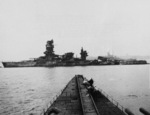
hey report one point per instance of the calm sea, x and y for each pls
(28, 90)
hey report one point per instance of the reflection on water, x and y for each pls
(28, 90)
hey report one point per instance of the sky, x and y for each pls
(121, 27)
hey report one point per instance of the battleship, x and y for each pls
(50, 59)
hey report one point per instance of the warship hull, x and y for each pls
(19, 64)
(55, 64)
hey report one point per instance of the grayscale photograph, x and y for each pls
(74, 57)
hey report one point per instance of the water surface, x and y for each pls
(29, 90)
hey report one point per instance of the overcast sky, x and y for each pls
(99, 26)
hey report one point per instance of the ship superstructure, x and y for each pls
(51, 59)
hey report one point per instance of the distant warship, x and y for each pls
(50, 59)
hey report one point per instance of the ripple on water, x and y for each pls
(28, 90)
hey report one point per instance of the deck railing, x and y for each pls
(113, 101)
(104, 93)
(52, 101)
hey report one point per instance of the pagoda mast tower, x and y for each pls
(49, 53)
(83, 54)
